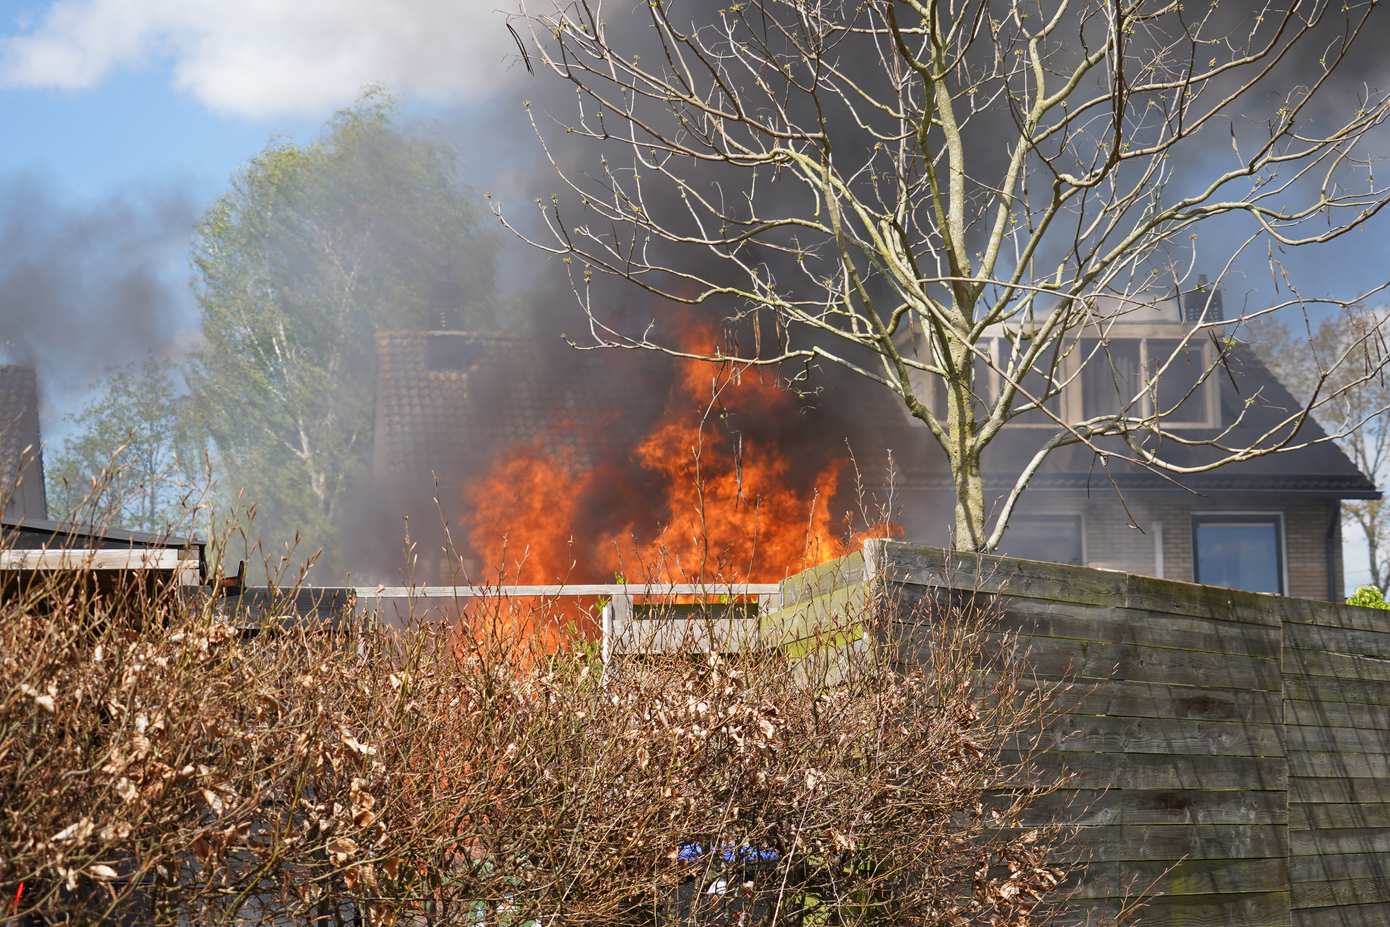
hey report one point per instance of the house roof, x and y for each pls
(447, 401)
(21, 461)
(1245, 385)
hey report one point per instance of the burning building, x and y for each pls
(552, 465)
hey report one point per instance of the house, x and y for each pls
(446, 402)
(21, 457)
(1269, 524)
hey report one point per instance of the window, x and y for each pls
(1035, 382)
(1177, 393)
(1239, 551)
(1054, 538)
(1117, 369)
(1110, 377)
(1111, 381)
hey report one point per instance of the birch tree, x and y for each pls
(313, 249)
(959, 200)
(1298, 354)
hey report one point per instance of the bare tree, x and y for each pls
(1298, 355)
(959, 201)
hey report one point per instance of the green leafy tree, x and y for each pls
(135, 457)
(313, 249)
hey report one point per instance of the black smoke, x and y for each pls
(87, 287)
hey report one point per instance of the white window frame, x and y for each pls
(1247, 516)
(1071, 406)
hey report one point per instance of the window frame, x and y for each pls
(1071, 400)
(1245, 517)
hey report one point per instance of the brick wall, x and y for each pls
(1151, 534)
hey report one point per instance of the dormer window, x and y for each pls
(1111, 381)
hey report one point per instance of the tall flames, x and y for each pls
(715, 505)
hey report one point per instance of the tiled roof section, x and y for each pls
(1322, 467)
(21, 463)
(450, 399)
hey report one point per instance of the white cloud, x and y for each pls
(262, 57)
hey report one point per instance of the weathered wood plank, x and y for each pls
(1325, 689)
(1333, 867)
(1364, 915)
(1338, 790)
(1117, 807)
(1269, 909)
(1184, 841)
(1166, 771)
(1128, 699)
(1099, 734)
(1085, 662)
(1338, 739)
(1336, 665)
(1330, 816)
(1326, 894)
(1329, 764)
(1337, 714)
(1187, 877)
(1348, 840)
(1141, 627)
(1316, 638)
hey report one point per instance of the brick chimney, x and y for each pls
(21, 457)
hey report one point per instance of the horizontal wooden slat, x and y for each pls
(1117, 807)
(1315, 638)
(1337, 714)
(1347, 840)
(1185, 877)
(1328, 816)
(1364, 915)
(1321, 764)
(1167, 771)
(1128, 699)
(1337, 790)
(1325, 689)
(1330, 867)
(1185, 841)
(1099, 734)
(1268, 909)
(1340, 739)
(155, 558)
(1336, 665)
(1068, 621)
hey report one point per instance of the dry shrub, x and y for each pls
(161, 763)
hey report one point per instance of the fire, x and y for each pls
(727, 508)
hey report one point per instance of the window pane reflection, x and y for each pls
(1239, 553)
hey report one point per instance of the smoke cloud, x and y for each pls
(87, 288)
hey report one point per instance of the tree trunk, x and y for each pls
(963, 450)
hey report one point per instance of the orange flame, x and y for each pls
(732, 511)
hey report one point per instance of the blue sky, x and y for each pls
(133, 130)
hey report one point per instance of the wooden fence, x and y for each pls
(1231, 748)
